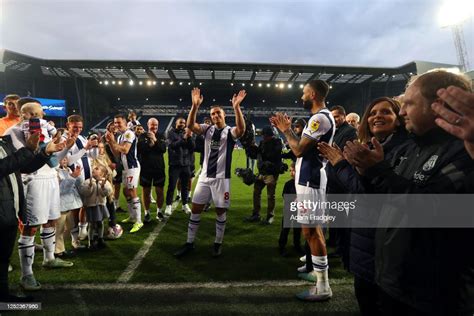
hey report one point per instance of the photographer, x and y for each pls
(268, 155)
(151, 147)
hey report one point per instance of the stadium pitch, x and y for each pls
(138, 274)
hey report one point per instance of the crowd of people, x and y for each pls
(422, 141)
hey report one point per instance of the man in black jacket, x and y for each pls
(13, 204)
(339, 237)
(268, 163)
(151, 147)
(180, 152)
(421, 270)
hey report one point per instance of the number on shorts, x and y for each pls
(226, 196)
(130, 179)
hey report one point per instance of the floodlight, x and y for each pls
(454, 12)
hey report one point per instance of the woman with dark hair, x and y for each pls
(381, 120)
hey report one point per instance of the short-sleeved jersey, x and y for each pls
(129, 160)
(218, 147)
(78, 156)
(310, 168)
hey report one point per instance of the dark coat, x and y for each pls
(427, 268)
(180, 150)
(23, 160)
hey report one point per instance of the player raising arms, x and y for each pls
(214, 180)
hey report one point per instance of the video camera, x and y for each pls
(246, 174)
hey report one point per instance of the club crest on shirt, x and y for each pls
(128, 135)
(314, 126)
(430, 163)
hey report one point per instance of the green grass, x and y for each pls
(249, 254)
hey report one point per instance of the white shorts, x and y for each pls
(305, 193)
(42, 200)
(211, 188)
(130, 178)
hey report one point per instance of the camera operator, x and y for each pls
(151, 147)
(269, 164)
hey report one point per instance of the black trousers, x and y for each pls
(175, 173)
(393, 307)
(367, 294)
(112, 213)
(7, 242)
(283, 240)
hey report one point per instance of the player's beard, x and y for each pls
(307, 104)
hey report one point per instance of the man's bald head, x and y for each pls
(152, 125)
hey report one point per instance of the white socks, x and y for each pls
(26, 251)
(48, 240)
(193, 226)
(220, 227)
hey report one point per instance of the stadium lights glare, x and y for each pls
(232, 84)
(263, 101)
(140, 83)
(189, 83)
(154, 83)
(301, 86)
(180, 83)
(146, 99)
(330, 87)
(120, 82)
(276, 85)
(268, 85)
(259, 84)
(113, 82)
(118, 99)
(454, 12)
(251, 84)
(290, 86)
(162, 83)
(131, 82)
(281, 86)
(106, 82)
(100, 82)
(171, 83)
(148, 83)
(200, 83)
(243, 84)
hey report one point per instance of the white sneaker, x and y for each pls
(186, 209)
(315, 295)
(168, 210)
(303, 258)
(302, 269)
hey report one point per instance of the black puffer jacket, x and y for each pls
(362, 240)
(15, 161)
(180, 150)
(427, 268)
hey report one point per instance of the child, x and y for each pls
(32, 121)
(115, 230)
(95, 191)
(69, 183)
(289, 188)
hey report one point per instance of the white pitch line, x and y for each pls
(188, 285)
(137, 260)
(133, 265)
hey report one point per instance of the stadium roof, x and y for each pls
(180, 72)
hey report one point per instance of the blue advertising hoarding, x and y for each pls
(51, 107)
